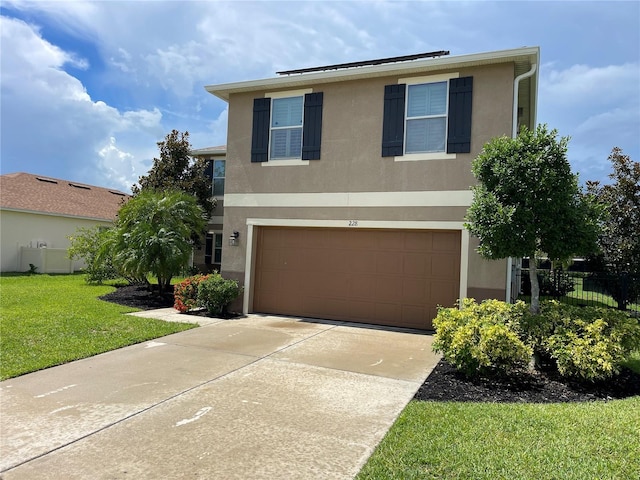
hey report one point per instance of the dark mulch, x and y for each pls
(445, 383)
(140, 296)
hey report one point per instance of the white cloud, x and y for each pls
(594, 86)
(50, 123)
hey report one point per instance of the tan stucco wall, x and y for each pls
(24, 229)
(351, 158)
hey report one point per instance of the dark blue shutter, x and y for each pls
(312, 130)
(393, 120)
(260, 135)
(459, 128)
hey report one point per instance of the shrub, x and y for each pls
(185, 293)
(215, 293)
(92, 246)
(588, 343)
(480, 338)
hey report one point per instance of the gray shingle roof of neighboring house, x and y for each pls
(219, 149)
(40, 194)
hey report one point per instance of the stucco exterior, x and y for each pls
(352, 185)
(19, 230)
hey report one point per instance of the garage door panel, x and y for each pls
(386, 311)
(388, 288)
(416, 264)
(362, 287)
(442, 292)
(418, 241)
(387, 277)
(361, 311)
(446, 242)
(390, 263)
(441, 265)
(415, 315)
(415, 290)
(390, 240)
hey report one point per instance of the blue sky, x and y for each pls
(88, 88)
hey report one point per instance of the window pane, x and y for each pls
(427, 99)
(218, 186)
(217, 257)
(218, 168)
(286, 143)
(218, 240)
(425, 135)
(286, 112)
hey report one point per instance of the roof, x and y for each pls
(218, 150)
(524, 58)
(26, 192)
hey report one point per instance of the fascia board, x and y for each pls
(223, 90)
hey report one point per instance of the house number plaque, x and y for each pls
(353, 223)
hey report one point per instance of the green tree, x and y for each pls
(528, 202)
(153, 235)
(86, 244)
(620, 238)
(176, 169)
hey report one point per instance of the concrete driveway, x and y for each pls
(260, 397)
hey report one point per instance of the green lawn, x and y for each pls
(450, 440)
(47, 320)
(580, 296)
(455, 440)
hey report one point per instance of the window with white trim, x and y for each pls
(213, 248)
(217, 180)
(286, 128)
(426, 118)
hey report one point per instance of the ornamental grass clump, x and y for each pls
(482, 338)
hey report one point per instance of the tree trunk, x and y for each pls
(535, 287)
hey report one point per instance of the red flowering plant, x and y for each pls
(185, 293)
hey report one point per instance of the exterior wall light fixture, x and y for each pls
(233, 239)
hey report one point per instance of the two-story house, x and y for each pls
(347, 185)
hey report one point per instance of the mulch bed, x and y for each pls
(139, 296)
(445, 383)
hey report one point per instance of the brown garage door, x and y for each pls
(385, 277)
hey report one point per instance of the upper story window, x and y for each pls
(425, 119)
(287, 127)
(426, 128)
(216, 172)
(217, 182)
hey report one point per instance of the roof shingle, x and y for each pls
(40, 194)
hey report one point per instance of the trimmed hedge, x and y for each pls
(481, 338)
(586, 343)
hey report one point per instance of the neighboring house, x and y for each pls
(209, 256)
(38, 213)
(347, 185)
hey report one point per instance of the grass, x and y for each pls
(588, 297)
(451, 440)
(455, 440)
(48, 320)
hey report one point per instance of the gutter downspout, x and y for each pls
(514, 134)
